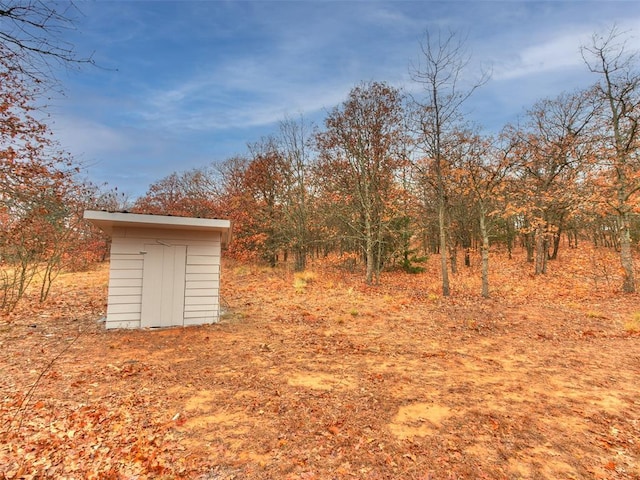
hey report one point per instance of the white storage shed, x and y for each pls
(165, 270)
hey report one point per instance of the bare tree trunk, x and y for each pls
(300, 259)
(369, 251)
(542, 252)
(626, 258)
(510, 238)
(556, 243)
(453, 258)
(379, 250)
(529, 241)
(446, 291)
(485, 255)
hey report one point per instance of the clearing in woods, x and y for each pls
(322, 377)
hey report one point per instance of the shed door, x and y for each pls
(163, 282)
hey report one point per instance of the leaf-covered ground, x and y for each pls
(325, 378)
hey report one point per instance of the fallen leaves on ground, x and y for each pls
(332, 379)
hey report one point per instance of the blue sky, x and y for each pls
(181, 84)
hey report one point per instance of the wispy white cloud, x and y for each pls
(553, 54)
(386, 16)
(257, 88)
(557, 51)
(208, 103)
(90, 139)
(308, 62)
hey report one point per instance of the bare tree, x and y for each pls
(439, 114)
(294, 141)
(32, 37)
(619, 92)
(482, 167)
(552, 160)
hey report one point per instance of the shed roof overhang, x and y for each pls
(107, 221)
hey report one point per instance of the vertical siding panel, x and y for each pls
(179, 267)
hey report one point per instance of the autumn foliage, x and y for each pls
(365, 187)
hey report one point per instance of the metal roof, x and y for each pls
(106, 221)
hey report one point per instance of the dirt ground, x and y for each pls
(325, 378)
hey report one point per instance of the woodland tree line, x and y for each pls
(386, 181)
(391, 178)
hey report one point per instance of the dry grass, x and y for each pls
(302, 279)
(633, 325)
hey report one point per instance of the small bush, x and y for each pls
(307, 276)
(302, 279)
(408, 264)
(633, 325)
